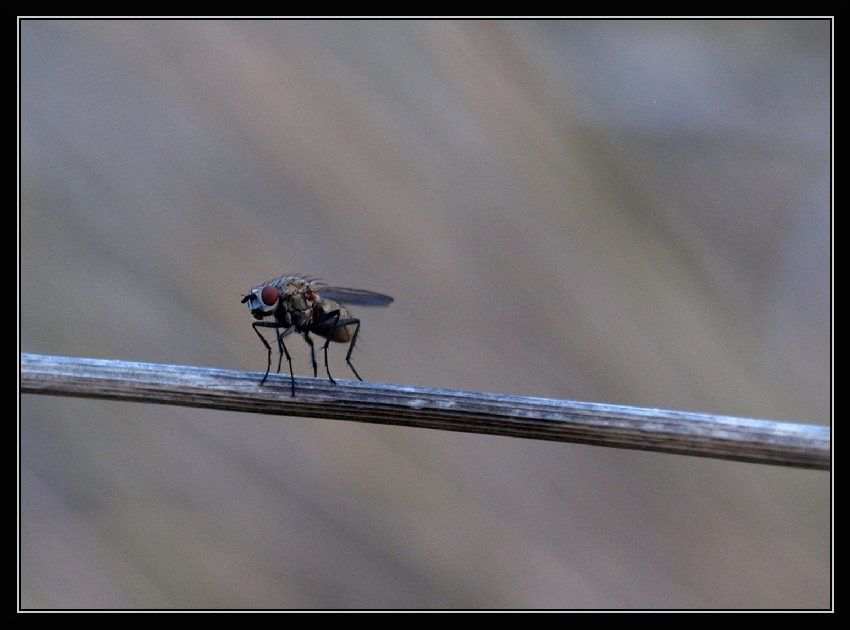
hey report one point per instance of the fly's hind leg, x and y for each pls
(325, 348)
(351, 346)
(328, 325)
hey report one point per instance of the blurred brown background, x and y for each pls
(628, 212)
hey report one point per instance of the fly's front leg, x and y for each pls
(268, 347)
(281, 348)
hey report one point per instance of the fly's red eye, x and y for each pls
(269, 295)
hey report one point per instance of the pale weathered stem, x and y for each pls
(704, 435)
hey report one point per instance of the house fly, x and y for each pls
(298, 304)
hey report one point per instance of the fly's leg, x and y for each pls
(268, 347)
(325, 348)
(281, 348)
(351, 346)
(309, 340)
(321, 324)
(328, 324)
(281, 352)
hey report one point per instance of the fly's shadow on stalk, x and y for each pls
(298, 304)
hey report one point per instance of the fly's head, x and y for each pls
(262, 301)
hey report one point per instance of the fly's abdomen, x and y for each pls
(329, 327)
(343, 334)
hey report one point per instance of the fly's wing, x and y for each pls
(354, 296)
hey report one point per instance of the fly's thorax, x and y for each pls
(300, 293)
(298, 301)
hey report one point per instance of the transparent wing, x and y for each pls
(354, 296)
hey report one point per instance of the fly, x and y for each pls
(298, 304)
